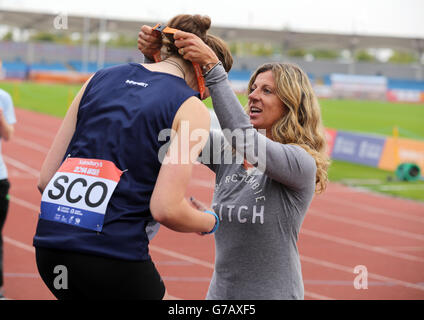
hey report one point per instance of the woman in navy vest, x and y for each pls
(118, 166)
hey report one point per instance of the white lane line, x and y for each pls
(404, 248)
(376, 276)
(20, 165)
(202, 183)
(186, 279)
(18, 244)
(36, 131)
(316, 296)
(21, 275)
(370, 209)
(360, 245)
(364, 224)
(173, 263)
(25, 204)
(181, 256)
(30, 145)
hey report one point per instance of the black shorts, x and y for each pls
(72, 275)
(4, 205)
(4, 201)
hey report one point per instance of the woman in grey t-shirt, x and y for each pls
(262, 199)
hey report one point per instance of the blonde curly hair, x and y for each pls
(301, 123)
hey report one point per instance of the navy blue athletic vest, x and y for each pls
(122, 112)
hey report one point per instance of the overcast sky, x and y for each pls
(377, 17)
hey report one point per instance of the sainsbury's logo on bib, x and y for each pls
(79, 192)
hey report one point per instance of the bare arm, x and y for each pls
(6, 129)
(168, 204)
(61, 141)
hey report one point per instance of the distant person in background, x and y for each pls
(262, 209)
(7, 119)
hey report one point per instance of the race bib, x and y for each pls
(79, 192)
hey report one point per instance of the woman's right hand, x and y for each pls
(192, 48)
(149, 41)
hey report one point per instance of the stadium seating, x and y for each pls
(402, 83)
(91, 67)
(45, 66)
(405, 84)
(15, 69)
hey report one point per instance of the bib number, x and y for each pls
(79, 192)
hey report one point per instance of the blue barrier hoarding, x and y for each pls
(358, 148)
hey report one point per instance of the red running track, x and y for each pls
(344, 228)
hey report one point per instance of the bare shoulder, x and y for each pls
(194, 111)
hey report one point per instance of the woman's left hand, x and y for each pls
(192, 48)
(199, 206)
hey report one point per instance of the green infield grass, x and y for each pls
(52, 99)
(375, 179)
(378, 117)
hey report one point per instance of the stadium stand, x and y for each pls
(21, 62)
(47, 66)
(48, 61)
(404, 84)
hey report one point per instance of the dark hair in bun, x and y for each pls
(196, 24)
(199, 25)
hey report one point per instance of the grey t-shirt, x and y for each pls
(260, 210)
